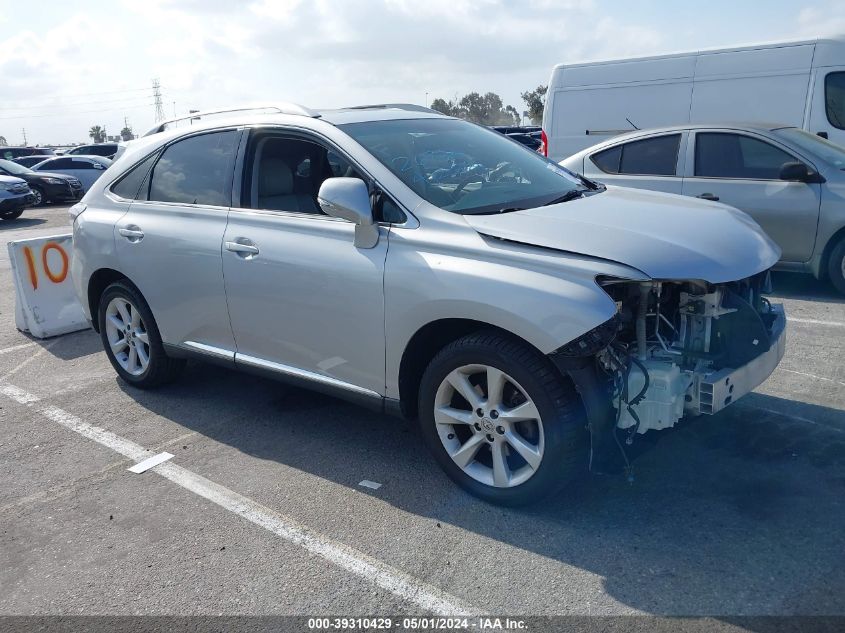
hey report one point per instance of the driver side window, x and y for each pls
(284, 173)
(726, 155)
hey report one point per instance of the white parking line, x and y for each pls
(801, 373)
(790, 319)
(15, 348)
(399, 583)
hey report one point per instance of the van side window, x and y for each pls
(725, 155)
(834, 99)
(656, 156)
(196, 170)
(130, 184)
(285, 173)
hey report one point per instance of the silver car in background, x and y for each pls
(87, 169)
(532, 320)
(790, 181)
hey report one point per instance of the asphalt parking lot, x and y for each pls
(261, 511)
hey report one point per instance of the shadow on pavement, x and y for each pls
(739, 513)
(21, 223)
(806, 287)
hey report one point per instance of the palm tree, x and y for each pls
(97, 133)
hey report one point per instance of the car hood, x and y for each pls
(11, 180)
(663, 235)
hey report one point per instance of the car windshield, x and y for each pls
(463, 167)
(830, 153)
(13, 168)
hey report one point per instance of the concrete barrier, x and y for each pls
(45, 303)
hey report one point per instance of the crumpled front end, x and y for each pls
(676, 349)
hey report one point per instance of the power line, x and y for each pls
(70, 114)
(81, 103)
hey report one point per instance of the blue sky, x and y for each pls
(82, 63)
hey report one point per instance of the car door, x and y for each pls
(169, 241)
(85, 169)
(653, 162)
(743, 170)
(303, 299)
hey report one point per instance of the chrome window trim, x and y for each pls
(211, 350)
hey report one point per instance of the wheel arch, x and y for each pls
(98, 282)
(838, 236)
(424, 344)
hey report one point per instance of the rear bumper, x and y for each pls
(718, 389)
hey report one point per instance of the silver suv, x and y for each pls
(533, 321)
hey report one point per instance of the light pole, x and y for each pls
(426, 99)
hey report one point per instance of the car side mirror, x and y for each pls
(349, 199)
(795, 171)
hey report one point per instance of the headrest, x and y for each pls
(275, 178)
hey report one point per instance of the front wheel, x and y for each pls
(11, 215)
(500, 420)
(131, 339)
(836, 266)
(39, 197)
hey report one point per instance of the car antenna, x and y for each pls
(632, 123)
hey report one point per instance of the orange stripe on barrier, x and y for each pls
(30, 263)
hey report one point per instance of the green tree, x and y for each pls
(97, 133)
(449, 108)
(536, 101)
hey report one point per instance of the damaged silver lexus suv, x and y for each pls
(533, 321)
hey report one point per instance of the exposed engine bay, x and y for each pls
(679, 347)
(673, 349)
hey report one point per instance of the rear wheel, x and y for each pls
(11, 215)
(131, 338)
(500, 421)
(836, 266)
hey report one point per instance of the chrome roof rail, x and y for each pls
(279, 108)
(410, 107)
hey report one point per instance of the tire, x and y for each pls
(39, 197)
(557, 437)
(11, 215)
(836, 266)
(122, 303)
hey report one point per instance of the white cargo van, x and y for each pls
(793, 83)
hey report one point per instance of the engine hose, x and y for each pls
(639, 397)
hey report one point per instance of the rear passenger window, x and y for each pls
(59, 163)
(196, 170)
(657, 156)
(129, 186)
(725, 155)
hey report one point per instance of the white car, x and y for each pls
(85, 168)
(790, 181)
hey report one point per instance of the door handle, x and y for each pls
(709, 196)
(132, 233)
(247, 251)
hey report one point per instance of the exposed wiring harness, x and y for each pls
(623, 360)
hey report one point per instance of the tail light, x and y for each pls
(544, 144)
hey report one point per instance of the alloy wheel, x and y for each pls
(489, 426)
(127, 336)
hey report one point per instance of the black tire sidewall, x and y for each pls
(557, 430)
(11, 215)
(157, 354)
(834, 266)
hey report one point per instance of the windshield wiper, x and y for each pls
(569, 195)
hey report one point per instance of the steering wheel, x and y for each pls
(501, 169)
(472, 176)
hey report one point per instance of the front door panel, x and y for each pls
(308, 298)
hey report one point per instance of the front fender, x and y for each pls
(547, 306)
